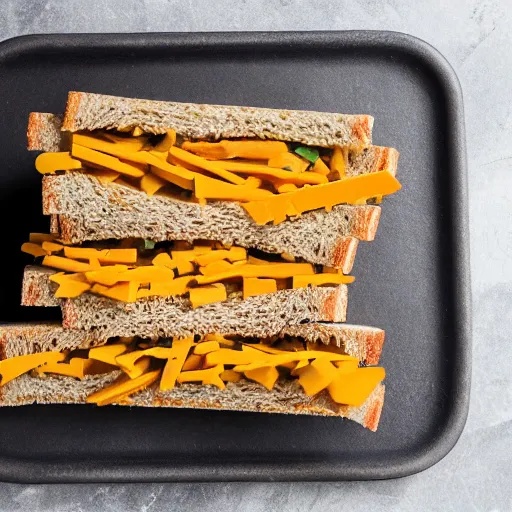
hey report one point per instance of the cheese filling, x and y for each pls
(272, 180)
(206, 272)
(209, 360)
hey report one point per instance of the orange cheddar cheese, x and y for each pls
(289, 161)
(123, 387)
(110, 162)
(104, 175)
(184, 267)
(254, 286)
(48, 163)
(266, 376)
(66, 264)
(33, 249)
(317, 375)
(193, 362)
(354, 387)
(113, 145)
(212, 167)
(230, 376)
(283, 187)
(233, 254)
(107, 353)
(223, 356)
(210, 188)
(70, 285)
(15, 366)
(273, 271)
(209, 376)
(77, 367)
(163, 260)
(178, 286)
(275, 173)
(151, 184)
(128, 362)
(338, 163)
(216, 267)
(256, 150)
(126, 292)
(205, 347)
(320, 167)
(321, 279)
(174, 366)
(190, 254)
(207, 294)
(167, 142)
(350, 190)
(51, 247)
(126, 256)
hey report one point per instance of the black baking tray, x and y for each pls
(413, 280)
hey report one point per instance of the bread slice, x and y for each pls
(287, 397)
(88, 111)
(261, 315)
(89, 210)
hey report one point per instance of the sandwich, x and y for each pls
(305, 370)
(200, 256)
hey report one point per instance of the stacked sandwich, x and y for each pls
(200, 256)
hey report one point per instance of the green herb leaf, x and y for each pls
(307, 153)
(149, 244)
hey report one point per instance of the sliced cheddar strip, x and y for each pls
(257, 150)
(163, 260)
(230, 376)
(179, 286)
(193, 362)
(33, 249)
(75, 368)
(110, 162)
(174, 366)
(266, 376)
(207, 294)
(125, 144)
(253, 286)
(210, 188)
(353, 388)
(321, 279)
(72, 288)
(210, 376)
(66, 264)
(108, 353)
(151, 184)
(289, 161)
(225, 356)
(104, 175)
(127, 256)
(338, 163)
(216, 267)
(317, 376)
(320, 167)
(48, 163)
(205, 347)
(282, 187)
(167, 142)
(351, 190)
(272, 270)
(233, 254)
(265, 171)
(123, 387)
(16, 366)
(126, 292)
(50, 247)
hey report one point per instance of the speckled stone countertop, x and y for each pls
(475, 36)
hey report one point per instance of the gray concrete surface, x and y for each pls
(476, 38)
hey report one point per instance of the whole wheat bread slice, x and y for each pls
(287, 397)
(261, 316)
(89, 210)
(88, 111)
(359, 341)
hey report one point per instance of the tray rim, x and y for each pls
(15, 470)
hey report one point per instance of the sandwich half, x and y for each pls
(301, 183)
(313, 370)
